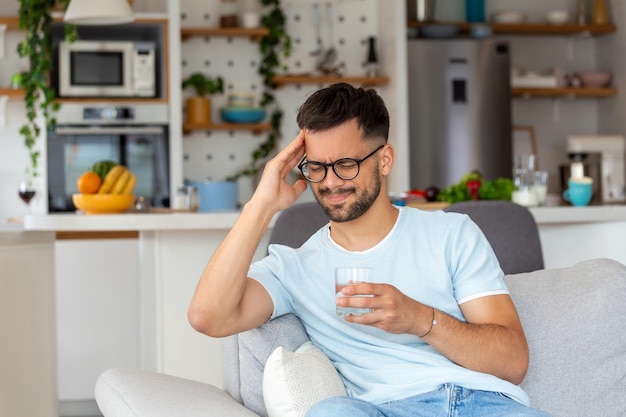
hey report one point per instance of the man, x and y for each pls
(442, 333)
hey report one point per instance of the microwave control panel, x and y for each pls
(144, 69)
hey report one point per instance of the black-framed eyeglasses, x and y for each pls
(344, 168)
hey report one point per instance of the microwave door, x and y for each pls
(95, 69)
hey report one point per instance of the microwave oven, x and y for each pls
(106, 69)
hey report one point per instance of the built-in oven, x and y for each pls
(136, 136)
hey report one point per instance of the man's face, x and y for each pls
(344, 200)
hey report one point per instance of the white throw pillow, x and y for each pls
(294, 381)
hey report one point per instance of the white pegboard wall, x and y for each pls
(354, 21)
(217, 154)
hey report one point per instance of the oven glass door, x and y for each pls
(143, 150)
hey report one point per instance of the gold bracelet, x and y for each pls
(433, 323)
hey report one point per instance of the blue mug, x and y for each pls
(216, 196)
(579, 191)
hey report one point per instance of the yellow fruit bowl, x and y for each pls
(103, 203)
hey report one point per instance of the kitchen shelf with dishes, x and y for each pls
(282, 80)
(531, 29)
(253, 33)
(256, 128)
(564, 92)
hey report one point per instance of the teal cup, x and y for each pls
(579, 191)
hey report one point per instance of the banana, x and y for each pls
(111, 178)
(120, 184)
(128, 189)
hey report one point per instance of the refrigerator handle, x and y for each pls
(459, 91)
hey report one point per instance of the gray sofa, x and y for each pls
(574, 321)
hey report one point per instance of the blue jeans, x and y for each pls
(448, 401)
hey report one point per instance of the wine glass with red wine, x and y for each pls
(26, 191)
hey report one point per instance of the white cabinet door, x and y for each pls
(97, 311)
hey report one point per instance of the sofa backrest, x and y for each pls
(574, 322)
(510, 229)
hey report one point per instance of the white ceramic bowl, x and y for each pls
(240, 99)
(557, 17)
(595, 78)
(509, 16)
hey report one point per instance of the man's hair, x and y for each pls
(340, 103)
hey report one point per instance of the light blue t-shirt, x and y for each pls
(440, 259)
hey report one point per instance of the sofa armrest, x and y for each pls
(139, 393)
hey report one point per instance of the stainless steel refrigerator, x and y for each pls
(459, 110)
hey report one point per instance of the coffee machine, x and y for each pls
(602, 158)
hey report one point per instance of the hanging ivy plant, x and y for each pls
(35, 18)
(273, 46)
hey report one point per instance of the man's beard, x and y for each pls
(365, 200)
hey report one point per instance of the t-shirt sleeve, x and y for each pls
(475, 269)
(267, 272)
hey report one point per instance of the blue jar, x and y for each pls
(475, 10)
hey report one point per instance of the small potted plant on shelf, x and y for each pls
(199, 106)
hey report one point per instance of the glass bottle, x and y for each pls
(581, 13)
(372, 59)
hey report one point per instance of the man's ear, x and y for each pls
(386, 160)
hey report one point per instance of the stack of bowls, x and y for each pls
(241, 109)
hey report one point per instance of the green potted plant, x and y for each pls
(199, 106)
(35, 18)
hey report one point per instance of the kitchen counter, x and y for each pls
(224, 221)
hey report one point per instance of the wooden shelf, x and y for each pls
(568, 92)
(282, 80)
(12, 93)
(112, 100)
(256, 128)
(254, 34)
(535, 29)
(12, 22)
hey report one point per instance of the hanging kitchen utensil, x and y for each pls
(317, 14)
(331, 53)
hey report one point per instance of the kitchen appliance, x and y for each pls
(421, 10)
(601, 158)
(107, 69)
(133, 135)
(459, 110)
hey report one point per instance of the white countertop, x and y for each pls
(224, 221)
(141, 222)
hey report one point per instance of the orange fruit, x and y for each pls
(89, 183)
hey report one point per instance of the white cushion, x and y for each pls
(294, 381)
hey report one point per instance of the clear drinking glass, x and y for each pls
(540, 186)
(345, 276)
(524, 179)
